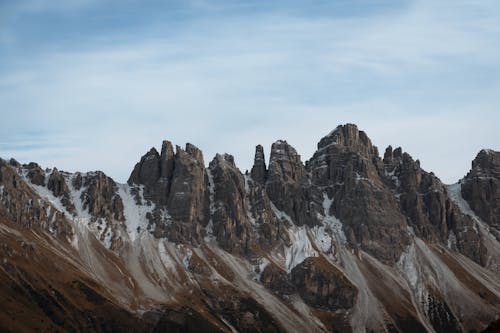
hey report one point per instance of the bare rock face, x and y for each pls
(347, 168)
(323, 286)
(20, 204)
(481, 187)
(188, 196)
(100, 196)
(57, 185)
(147, 171)
(424, 200)
(287, 185)
(177, 184)
(259, 171)
(35, 174)
(230, 220)
(270, 229)
(155, 172)
(277, 280)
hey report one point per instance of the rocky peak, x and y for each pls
(285, 164)
(188, 198)
(423, 199)
(100, 197)
(486, 163)
(481, 187)
(195, 153)
(166, 160)
(287, 185)
(388, 155)
(147, 171)
(230, 220)
(35, 173)
(259, 170)
(348, 137)
(224, 161)
(57, 185)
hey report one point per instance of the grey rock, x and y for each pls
(259, 170)
(481, 187)
(231, 225)
(323, 286)
(347, 168)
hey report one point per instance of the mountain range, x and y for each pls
(349, 241)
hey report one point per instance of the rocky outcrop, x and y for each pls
(35, 174)
(424, 200)
(188, 196)
(155, 171)
(481, 187)
(21, 205)
(259, 171)
(347, 168)
(270, 230)
(288, 187)
(323, 286)
(277, 280)
(99, 196)
(177, 185)
(231, 225)
(57, 185)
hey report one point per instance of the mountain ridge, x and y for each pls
(288, 246)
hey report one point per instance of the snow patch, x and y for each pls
(247, 199)
(322, 238)
(108, 239)
(262, 266)
(47, 195)
(332, 222)
(455, 194)
(135, 215)
(300, 249)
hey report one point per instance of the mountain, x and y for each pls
(348, 241)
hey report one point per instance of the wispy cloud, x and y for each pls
(420, 75)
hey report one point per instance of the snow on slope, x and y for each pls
(135, 215)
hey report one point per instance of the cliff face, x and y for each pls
(347, 241)
(481, 188)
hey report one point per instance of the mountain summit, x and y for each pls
(348, 241)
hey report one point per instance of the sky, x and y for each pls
(93, 85)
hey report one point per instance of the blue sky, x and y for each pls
(89, 84)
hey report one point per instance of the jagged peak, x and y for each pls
(285, 162)
(192, 151)
(350, 137)
(223, 159)
(487, 160)
(152, 152)
(259, 169)
(166, 147)
(282, 149)
(391, 155)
